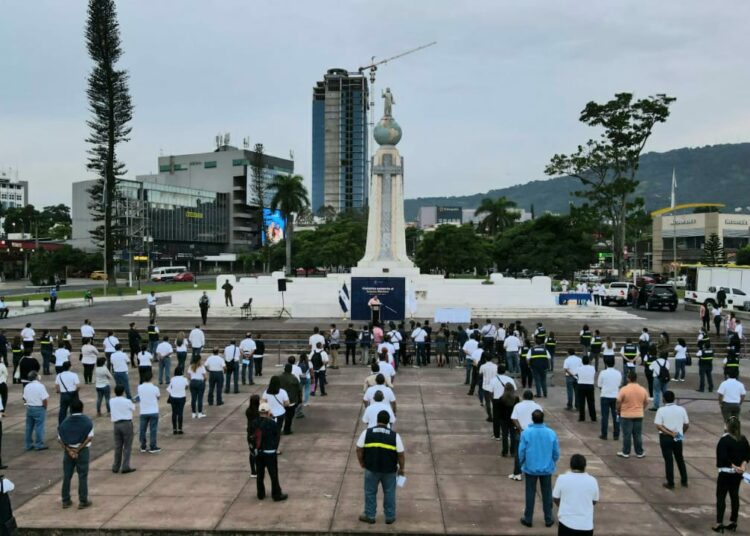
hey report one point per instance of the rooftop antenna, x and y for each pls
(218, 141)
(226, 138)
(246, 142)
(291, 155)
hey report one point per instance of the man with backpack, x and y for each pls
(319, 360)
(660, 372)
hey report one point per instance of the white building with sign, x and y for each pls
(691, 232)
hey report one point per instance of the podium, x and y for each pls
(375, 314)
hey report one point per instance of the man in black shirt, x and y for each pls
(350, 340)
(134, 341)
(265, 432)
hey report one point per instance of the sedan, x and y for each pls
(184, 276)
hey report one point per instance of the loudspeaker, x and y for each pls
(282, 284)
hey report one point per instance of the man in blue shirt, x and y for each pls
(538, 452)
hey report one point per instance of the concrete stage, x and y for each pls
(456, 480)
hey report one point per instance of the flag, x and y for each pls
(411, 302)
(344, 298)
(674, 189)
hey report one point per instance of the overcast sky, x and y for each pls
(484, 108)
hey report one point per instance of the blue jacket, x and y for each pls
(539, 450)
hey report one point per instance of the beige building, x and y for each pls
(691, 232)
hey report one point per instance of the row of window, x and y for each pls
(15, 197)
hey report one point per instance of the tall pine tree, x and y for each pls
(112, 110)
(713, 251)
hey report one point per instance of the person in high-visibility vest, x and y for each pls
(538, 359)
(705, 366)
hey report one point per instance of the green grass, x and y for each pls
(97, 290)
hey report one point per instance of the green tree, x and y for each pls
(607, 167)
(713, 251)
(413, 236)
(112, 110)
(290, 196)
(498, 217)
(337, 244)
(454, 249)
(743, 256)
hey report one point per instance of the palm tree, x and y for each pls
(290, 196)
(498, 217)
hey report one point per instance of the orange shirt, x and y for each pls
(633, 399)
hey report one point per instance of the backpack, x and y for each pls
(203, 300)
(317, 361)
(663, 372)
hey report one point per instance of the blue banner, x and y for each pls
(391, 291)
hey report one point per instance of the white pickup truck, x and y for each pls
(617, 292)
(735, 298)
(735, 282)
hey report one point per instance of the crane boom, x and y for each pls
(381, 62)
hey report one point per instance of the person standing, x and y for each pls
(660, 372)
(512, 346)
(232, 362)
(630, 353)
(62, 356)
(87, 330)
(334, 342)
(319, 360)
(260, 352)
(291, 384)
(350, 341)
(151, 302)
(595, 349)
(197, 375)
(488, 333)
(120, 369)
(521, 417)
(571, 365)
(102, 382)
(251, 414)
(538, 453)
(89, 357)
(197, 340)
(144, 360)
(46, 346)
(227, 288)
(680, 360)
(264, 433)
(539, 360)
(365, 342)
(608, 352)
(75, 434)
(576, 493)
(466, 350)
(216, 368)
(705, 365)
(381, 453)
(247, 349)
(26, 366)
(585, 339)
(632, 400)
(716, 315)
(16, 351)
(609, 382)
(109, 343)
(502, 409)
(419, 336)
(487, 371)
(149, 394)
(476, 359)
(204, 302)
(672, 422)
(66, 385)
(134, 343)
(731, 396)
(122, 424)
(732, 455)
(163, 356)
(177, 390)
(28, 335)
(36, 398)
(585, 385)
(153, 337)
(181, 349)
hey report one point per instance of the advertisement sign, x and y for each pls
(391, 291)
(274, 226)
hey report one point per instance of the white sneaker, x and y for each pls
(518, 478)
(623, 455)
(512, 476)
(195, 415)
(201, 415)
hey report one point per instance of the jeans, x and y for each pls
(267, 461)
(152, 347)
(178, 409)
(421, 356)
(607, 406)
(305, 389)
(679, 373)
(586, 397)
(102, 393)
(672, 449)
(511, 361)
(469, 365)
(65, 400)
(704, 372)
(320, 381)
(540, 380)
(215, 381)
(123, 431)
(121, 378)
(545, 483)
(181, 358)
(81, 466)
(197, 387)
(247, 371)
(659, 389)
(232, 370)
(197, 351)
(570, 385)
(35, 418)
(632, 429)
(150, 421)
(46, 357)
(165, 365)
(388, 481)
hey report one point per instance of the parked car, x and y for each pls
(167, 273)
(658, 297)
(98, 275)
(618, 292)
(184, 276)
(680, 282)
(307, 272)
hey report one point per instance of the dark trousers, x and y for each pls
(204, 315)
(540, 379)
(289, 417)
(88, 373)
(232, 370)
(253, 466)
(228, 300)
(728, 483)
(496, 417)
(178, 410)
(320, 381)
(123, 431)
(607, 406)
(4, 394)
(215, 382)
(52, 303)
(197, 388)
(46, 357)
(474, 379)
(258, 362)
(650, 380)
(672, 449)
(265, 461)
(65, 400)
(704, 372)
(527, 380)
(508, 435)
(488, 343)
(545, 483)
(586, 397)
(717, 325)
(351, 349)
(81, 466)
(562, 530)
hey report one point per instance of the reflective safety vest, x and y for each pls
(585, 338)
(381, 454)
(630, 351)
(707, 354)
(550, 344)
(48, 340)
(733, 361)
(538, 352)
(153, 335)
(596, 343)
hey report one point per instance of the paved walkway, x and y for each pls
(456, 480)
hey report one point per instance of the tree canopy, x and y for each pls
(454, 249)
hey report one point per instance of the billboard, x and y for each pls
(274, 227)
(391, 291)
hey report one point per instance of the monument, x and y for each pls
(385, 252)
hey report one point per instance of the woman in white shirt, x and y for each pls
(305, 377)
(278, 399)
(181, 349)
(89, 355)
(177, 390)
(608, 352)
(103, 380)
(197, 375)
(144, 363)
(680, 360)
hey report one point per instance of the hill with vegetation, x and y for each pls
(711, 174)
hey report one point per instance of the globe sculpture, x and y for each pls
(387, 131)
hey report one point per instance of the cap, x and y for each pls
(264, 408)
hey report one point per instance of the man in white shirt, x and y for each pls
(66, 385)
(151, 302)
(319, 362)
(197, 340)
(488, 333)
(386, 368)
(609, 382)
(497, 388)
(388, 347)
(571, 365)
(488, 371)
(232, 360)
(247, 349)
(521, 417)
(585, 385)
(672, 423)
(512, 346)
(731, 395)
(163, 356)
(378, 404)
(316, 338)
(388, 395)
(36, 397)
(120, 369)
(499, 341)
(475, 358)
(419, 336)
(575, 494)
(149, 395)
(216, 368)
(121, 413)
(28, 335)
(110, 341)
(87, 330)
(62, 355)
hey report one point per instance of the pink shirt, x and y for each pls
(377, 335)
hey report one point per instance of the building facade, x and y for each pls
(691, 231)
(340, 142)
(13, 194)
(433, 216)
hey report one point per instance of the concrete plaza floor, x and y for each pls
(456, 479)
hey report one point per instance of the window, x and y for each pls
(240, 162)
(209, 165)
(164, 168)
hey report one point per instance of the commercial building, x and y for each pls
(691, 231)
(340, 141)
(433, 216)
(13, 194)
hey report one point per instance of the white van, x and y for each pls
(167, 273)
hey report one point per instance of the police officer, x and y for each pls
(550, 344)
(380, 452)
(732, 361)
(585, 339)
(705, 366)
(46, 348)
(153, 337)
(538, 359)
(629, 355)
(596, 348)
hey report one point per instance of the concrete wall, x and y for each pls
(81, 215)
